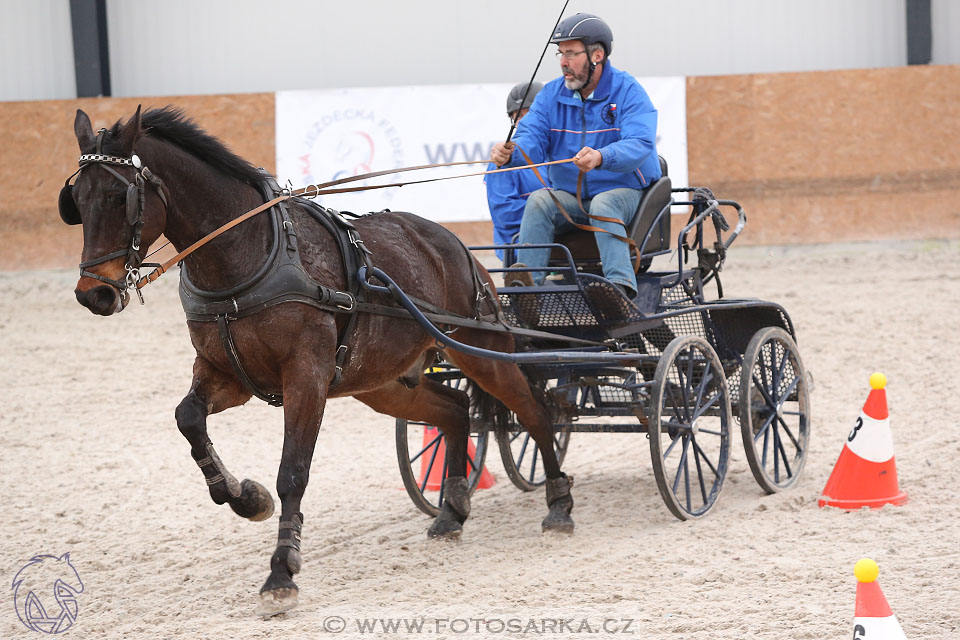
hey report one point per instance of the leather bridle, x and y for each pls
(135, 201)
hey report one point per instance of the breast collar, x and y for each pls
(282, 277)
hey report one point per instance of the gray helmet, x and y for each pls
(587, 28)
(516, 95)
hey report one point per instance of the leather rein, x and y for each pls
(314, 190)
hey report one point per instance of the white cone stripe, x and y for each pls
(871, 439)
(877, 629)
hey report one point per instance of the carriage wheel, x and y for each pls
(521, 457)
(774, 409)
(422, 457)
(689, 427)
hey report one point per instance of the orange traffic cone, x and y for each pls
(873, 619)
(865, 474)
(435, 479)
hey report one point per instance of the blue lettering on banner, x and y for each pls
(443, 153)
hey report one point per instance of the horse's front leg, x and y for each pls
(304, 399)
(212, 392)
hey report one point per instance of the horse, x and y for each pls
(160, 173)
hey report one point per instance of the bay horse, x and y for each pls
(195, 184)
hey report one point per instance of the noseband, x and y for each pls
(136, 196)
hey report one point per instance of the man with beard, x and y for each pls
(603, 118)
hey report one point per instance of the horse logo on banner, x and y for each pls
(43, 581)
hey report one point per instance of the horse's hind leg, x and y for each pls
(212, 392)
(507, 383)
(449, 410)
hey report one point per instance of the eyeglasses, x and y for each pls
(569, 55)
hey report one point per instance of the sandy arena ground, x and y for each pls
(91, 462)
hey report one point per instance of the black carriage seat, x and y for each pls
(656, 197)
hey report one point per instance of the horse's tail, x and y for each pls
(488, 410)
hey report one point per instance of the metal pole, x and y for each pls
(91, 55)
(919, 32)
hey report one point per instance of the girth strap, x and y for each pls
(234, 359)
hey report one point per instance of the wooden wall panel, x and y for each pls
(40, 151)
(836, 156)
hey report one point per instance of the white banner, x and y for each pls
(326, 135)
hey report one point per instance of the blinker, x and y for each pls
(68, 208)
(133, 202)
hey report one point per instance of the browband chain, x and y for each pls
(99, 157)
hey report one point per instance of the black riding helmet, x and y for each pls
(516, 95)
(587, 28)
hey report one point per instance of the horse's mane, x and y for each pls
(171, 125)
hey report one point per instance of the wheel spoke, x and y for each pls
(523, 451)
(673, 443)
(796, 444)
(783, 454)
(533, 466)
(426, 476)
(764, 429)
(683, 459)
(696, 458)
(710, 431)
(710, 403)
(429, 444)
(762, 382)
(773, 368)
(675, 405)
(776, 456)
(701, 388)
(687, 384)
(699, 449)
(782, 370)
(761, 386)
(766, 439)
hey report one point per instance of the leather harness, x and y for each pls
(282, 279)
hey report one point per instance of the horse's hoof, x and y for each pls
(255, 502)
(277, 601)
(560, 524)
(443, 529)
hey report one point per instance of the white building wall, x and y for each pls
(36, 50)
(946, 31)
(224, 46)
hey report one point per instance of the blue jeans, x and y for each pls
(542, 221)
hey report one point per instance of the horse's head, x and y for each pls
(122, 207)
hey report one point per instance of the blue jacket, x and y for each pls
(506, 196)
(618, 120)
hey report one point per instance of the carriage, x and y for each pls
(301, 304)
(698, 364)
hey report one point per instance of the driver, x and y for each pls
(603, 118)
